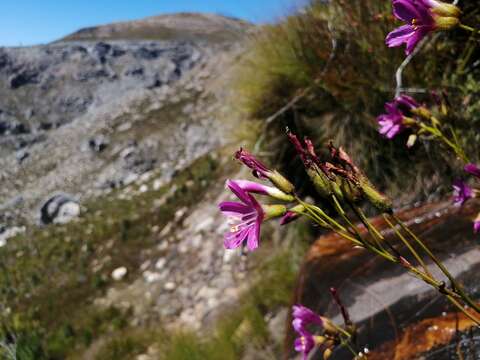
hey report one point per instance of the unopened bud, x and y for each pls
(476, 224)
(274, 211)
(446, 22)
(375, 197)
(292, 214)
(327, 354)
(281, 182)
(319, 340)
(321, 182)
(351, 191)
(412, 139)
(422, 111)
(443, 9)
(408, 121)
(329, 327)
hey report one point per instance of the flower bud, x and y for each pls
(329, 327)
(281, 182)
(327, 354)
(351, 191)
(375, 197)
(321, 182)
(274, 211)
(412, 139)
(443, 9)
(319, 340)
(476, 224)
(446, 22)
(292, 214)
(422, 112)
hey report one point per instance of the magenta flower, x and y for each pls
(303, 317)
(461, 192)
(421, 17)
(391, 123)
(476, 226)
(246, 216)
(304, 344)
(406, 103)
(472, 169)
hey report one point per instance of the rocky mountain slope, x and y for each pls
(82, 115)
(113, 143)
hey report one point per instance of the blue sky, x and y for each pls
(27, 22)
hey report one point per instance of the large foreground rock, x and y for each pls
(382, 298)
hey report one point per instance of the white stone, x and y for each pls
(124, 127)
(160, 263)
(170, 286)
(143, 188)
(9, 233)
(119, 273)
(67, 213)
(151, 277)
(157, 184)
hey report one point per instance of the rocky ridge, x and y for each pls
(102, 116)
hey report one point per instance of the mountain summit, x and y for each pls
(182, 26)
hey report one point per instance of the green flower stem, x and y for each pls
(439, 134)
(340, 231)
(469, 28)
(372, 247)
(408, 245)
(346, 343)
(377, 236)
(353, 229)
(342, 330)
(463, 310)
(458, 288)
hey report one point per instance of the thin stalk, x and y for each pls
(408, 245)
(343, 214)
(468, 28)
(458, 288)
(322, 222)
(463, 310)
(439, 134)
(346, 343)
(377, 236)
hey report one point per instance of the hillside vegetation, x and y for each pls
(333, 60)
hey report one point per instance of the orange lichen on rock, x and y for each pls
(422, 337)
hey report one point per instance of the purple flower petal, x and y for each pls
(417, 36)
(246, 217)
(476, 227)
(461, 192)
(230, 208)
(407, 102)
(306, 315)
(237, 190)
(405, 10)
(253, 237)
(252, 187)
(399, 36)
(472, 169)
